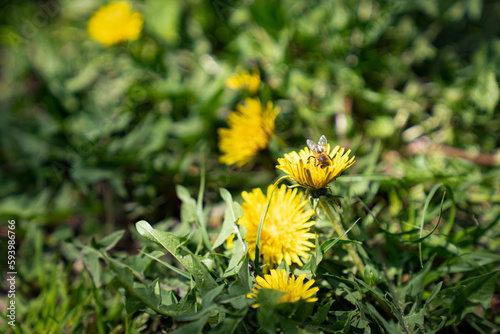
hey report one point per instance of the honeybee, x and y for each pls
(320, 157)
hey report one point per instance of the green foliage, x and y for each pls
(98, 141)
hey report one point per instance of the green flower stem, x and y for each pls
(341, 232)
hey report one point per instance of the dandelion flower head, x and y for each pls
(244, 79)
(115, 23)
(302, 167)
(285, 232)
(294, 287)
(250, 129)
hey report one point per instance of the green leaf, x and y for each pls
(139, 298)
(390, 327)
(384, 298)
(111, 240)
(266, 315)
(91, 260)
(238, 254)
(416, 318)
(186, 305)
(288, 326)
(232, 214)
(207, 306)
(302, 311)
(480, 289)
(139, 262)
(316, 257)
(114, 285)
(461, 300)
(208, 299)
(434, 293)
(230, 323)
(241, 286)
(188, 207)
(168, 297)
(152, 294)
(168, 240)
(70, 251)
(415, 285)
(320, 316)
(356, 298)
(174, 245)
(204, 281)
(194, 327)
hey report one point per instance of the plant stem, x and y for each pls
(341, 232)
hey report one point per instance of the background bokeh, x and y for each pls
(95, 138)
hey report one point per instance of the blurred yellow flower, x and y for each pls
(302, 168)
(245, 79)
(250, 128)
(285, 230)
(293, 286)
(114, 23)
(230, 242)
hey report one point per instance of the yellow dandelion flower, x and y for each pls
(114, 23)
(294, 287)
(230, 242)
(305, 169)
(244, 79)
(250, 128)
(284, 234)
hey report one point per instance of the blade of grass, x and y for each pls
(169, 266)
(356, 259)
(98, 308)
(325, 246)
(262, 218)
(199, 205)
(424, 211)
(435, 226)
(451, 219)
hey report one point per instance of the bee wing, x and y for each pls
(312, 145)
(322, 141)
